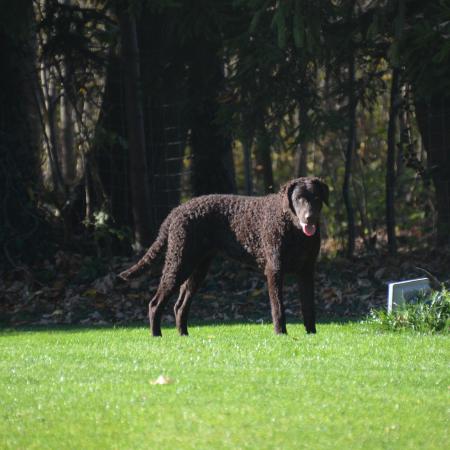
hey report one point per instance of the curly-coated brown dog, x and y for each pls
(278, 233)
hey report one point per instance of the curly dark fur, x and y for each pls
(278, 233)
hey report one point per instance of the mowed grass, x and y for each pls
(234, 386)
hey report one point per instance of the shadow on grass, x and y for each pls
(76, 328)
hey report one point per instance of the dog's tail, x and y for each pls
(151, 254)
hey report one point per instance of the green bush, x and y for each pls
(429, 313)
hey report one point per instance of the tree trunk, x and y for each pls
(433, 119)
(301, 159)
(20, 132)
(135, 127)
(351, 142)
(301, 166)
(211, 144)
(67, 143)
(390, 163)
(109, 152)
(164, 84)
(246, 137)
(263, 155)
(361, 196)
(247, 148)
(164, 91)
(48, 108)
(167, 142)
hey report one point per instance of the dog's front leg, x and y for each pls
(306, 287)
(275, 286)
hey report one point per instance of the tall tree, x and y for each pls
(108, 160)
(426, 55)
(164, 69)
(351, 142)
(263, 153)
(135, 126)
(19, 138)
(302, 144)
(163, 95)
(211, 143)
(390, 162)
(67, 140)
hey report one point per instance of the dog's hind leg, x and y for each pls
(174, 274)
(167, 287)
(180, 258)
(187, 291)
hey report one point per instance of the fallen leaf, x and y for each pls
(162, 379)
(256, 292)
(90, 293)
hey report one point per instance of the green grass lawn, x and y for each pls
(234, 386)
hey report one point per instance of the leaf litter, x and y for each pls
(58, 294)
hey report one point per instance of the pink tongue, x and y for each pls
(309, 230)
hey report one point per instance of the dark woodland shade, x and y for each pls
(76, 124)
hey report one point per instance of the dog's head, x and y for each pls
(303, 198)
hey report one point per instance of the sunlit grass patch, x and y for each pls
(226, 386)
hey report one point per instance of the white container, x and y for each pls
(401, 291)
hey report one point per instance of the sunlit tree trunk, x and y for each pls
(390, 163)
(66, 120)
(49, 118)
(351, 142)
(66, 143)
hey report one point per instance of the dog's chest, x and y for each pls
(298, 250)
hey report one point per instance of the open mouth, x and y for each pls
(308, 229)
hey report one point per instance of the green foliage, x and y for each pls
(425, 48)
(430, 313)
(107, 236)
(279, 23)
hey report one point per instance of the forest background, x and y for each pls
(114, 112)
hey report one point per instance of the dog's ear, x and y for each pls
(286, 192)
(325, 191)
